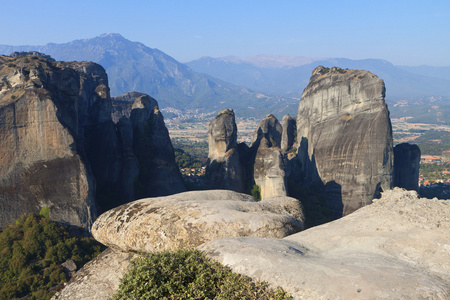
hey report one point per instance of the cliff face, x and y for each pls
(345, 136)
(59, 147)
(44, 109)
(270, 163)
(406, 166)
(224, 170)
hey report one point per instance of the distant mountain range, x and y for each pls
(253, 86)
(132, 66)
(289, 79)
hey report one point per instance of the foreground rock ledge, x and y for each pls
(190, 219)
(395, 248)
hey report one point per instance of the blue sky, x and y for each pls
(402, 32)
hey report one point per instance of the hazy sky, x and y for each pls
(402, 32)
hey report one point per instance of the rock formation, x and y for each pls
(289, 134)
(345, 137)
(271, 167)
(189, 219)
(268, 129)
(224, 170)
(406, 166)
(60, 148)
(44, 109)
(123, 105)
(396, 248)
(98, 279)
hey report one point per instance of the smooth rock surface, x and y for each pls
(345, 137)
(396, 248)
(99, 278)
(189, 219)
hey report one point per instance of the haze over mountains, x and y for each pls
(252, 86)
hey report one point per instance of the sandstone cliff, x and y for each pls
(406, 166)
(60, 148)
(289, 135)
(345, 137)
(224, 170)
(271, 167)
(44, 109)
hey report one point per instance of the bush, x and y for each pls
(189, 274)
(256, 192)
(45, 212)
(31, 253)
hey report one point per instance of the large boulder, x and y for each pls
(190, 219)
(345, 137)
(396, 248)
(406, 166)
(224, 170)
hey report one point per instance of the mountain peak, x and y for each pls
(111, 34)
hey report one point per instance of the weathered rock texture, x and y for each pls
(59, 147)
(44, 109)
(224, 170)
(123, 105)
(289, 134)
(396, 248)
(345, 136)
(271, 171)
(189, 219)
(271, 167)
(99, 279)
(269, 131)
(406, 166)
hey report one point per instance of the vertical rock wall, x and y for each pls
(224, 170)
(406, 166)
(345, 136)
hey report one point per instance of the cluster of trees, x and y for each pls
(185, 160)
(31, 253)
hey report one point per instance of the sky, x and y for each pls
(403, 32)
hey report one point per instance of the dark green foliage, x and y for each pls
(188, 274)
(195, 149)
(31, 253)
(256, 192)
(324, 71)
(185, 160)
(432, 149)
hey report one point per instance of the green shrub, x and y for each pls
(32, 251)
(189, 274)
(256, 192)
(45, 212)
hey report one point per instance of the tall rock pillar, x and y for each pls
(345, 136)
(406, 166)
(224, 170)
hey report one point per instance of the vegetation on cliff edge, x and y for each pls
(32, 251)
(189, 274)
